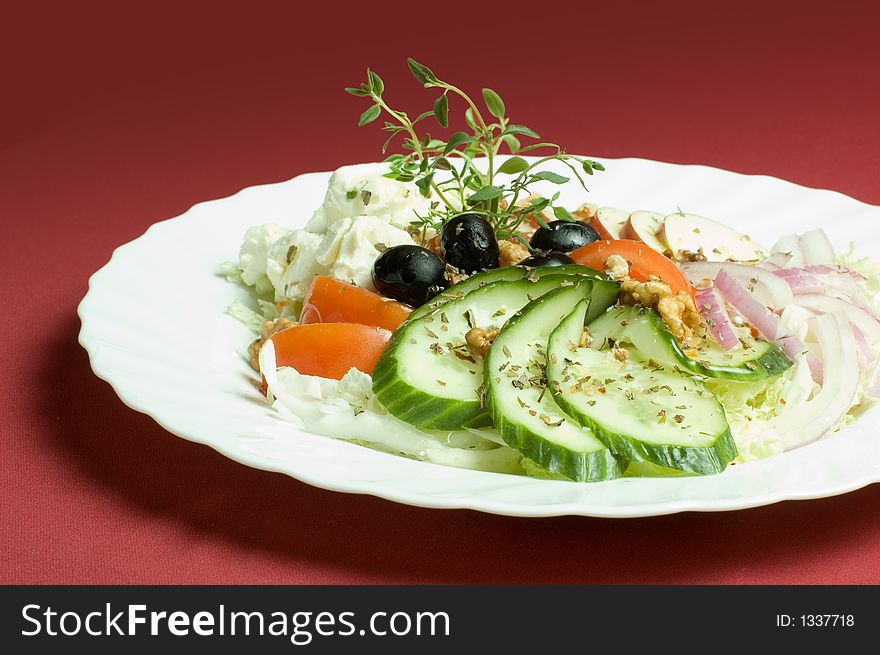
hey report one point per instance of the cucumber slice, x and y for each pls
(566, 269)
(426, 376)
(604, 294)
(508, 273)
(644, 329)
(643, 414)
(524, 412)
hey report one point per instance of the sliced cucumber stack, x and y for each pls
(524, 412)
(641, 412)
(427, 377)
(644, 329)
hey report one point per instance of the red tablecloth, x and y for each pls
(114, 120)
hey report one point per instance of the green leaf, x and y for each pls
(550, 176)
(522, 240)
(512, 143)
(369, 115)
(596, 165)
(351, 195)
(489, 192)
(376, 83)
(469, 118)
(423, 116)
(456, 140)
(442, 164)
(474, 183)
(441, 110)
(513, 165)
(539, 204)
(359, 91)
(473, 148)
(521, 129)
(389, 140)
(424, 184)
(494, 103)
(535, 146)
(422, 73)
(563, 214)
(588, 168)
(400, 177)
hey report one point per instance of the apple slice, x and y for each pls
(643, 225)
(608, 222)
(689, 233)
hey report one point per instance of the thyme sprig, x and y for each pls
(446, 169)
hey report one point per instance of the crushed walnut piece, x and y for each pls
(620, 354)
(454, 275)
(478, 340)
(269, 328)
(617, 268)
(586, 212)
(433, 244)
(688, 256)
(511, 252)
(677, 310)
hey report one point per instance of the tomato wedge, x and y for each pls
(331, 301)
(643, 261)
(329, 350)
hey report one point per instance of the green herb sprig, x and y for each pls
(464, 187)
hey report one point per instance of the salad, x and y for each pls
(444, 306)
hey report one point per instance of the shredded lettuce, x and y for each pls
(750, 406)
(232, 272)
(245, 315)
(863, 265)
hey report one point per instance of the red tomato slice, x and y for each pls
(643, 261)
(329, 350)
(332, 301)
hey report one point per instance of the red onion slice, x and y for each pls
(866, 354)
(821, 278)
(814, 418)
(868, 324)
(767, 323)
(753, 310)
(776, 261)
(800, 281)
(817, 248)
(873, 391)
(711, 306)
(768, 288)
(790, 245)
(822, 269)
(867, 308)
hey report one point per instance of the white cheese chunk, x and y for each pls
(363, 189)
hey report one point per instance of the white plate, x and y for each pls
(155, 329)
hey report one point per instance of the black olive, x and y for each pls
(410, 274)
(563, 236)
(547, 259)
(468, 243)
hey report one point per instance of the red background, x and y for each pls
(113, 117)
